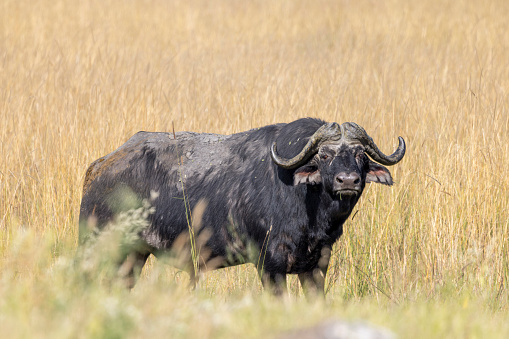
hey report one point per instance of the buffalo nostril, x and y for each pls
(348, 181)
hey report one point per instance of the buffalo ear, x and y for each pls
(379, 174)
(307, 175)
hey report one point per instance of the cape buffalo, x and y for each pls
(284, 190)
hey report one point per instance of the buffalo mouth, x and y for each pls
(347, 193)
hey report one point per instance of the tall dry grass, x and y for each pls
(79, 78)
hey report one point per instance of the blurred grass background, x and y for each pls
(425, 258)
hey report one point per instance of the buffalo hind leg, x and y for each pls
(130, 268)
(194, 278)
(274, 282)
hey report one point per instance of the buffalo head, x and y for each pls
(336, 156)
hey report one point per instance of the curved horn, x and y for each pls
(327, 132)
(354, 131)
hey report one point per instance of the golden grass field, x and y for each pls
(428, 257)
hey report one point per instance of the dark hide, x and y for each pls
(290, 217)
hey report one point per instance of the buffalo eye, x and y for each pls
(324, 156)
(360, 157)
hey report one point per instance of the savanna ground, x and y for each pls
(425, 258)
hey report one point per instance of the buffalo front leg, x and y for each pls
(313, 282)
